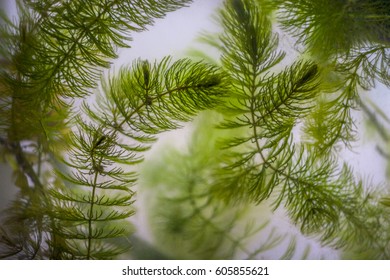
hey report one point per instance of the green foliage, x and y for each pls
(153, 98)
(349, 39)
(266, 162)
(188, 221)
(336, 26)
(268, 143)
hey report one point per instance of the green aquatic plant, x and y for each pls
(269, 141)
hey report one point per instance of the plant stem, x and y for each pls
(90, 216)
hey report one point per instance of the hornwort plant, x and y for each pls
(266, 139)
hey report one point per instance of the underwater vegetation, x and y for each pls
(262, 174)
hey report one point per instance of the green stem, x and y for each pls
(90, 216)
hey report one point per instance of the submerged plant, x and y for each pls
(269, 142)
